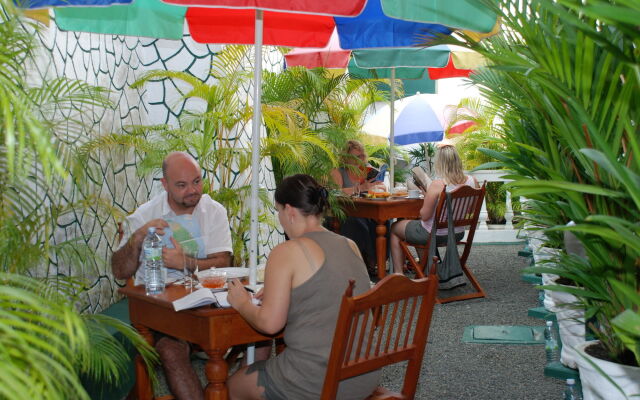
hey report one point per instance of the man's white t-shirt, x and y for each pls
(208, 224)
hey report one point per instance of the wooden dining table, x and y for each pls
(382, 210)
(214, 329)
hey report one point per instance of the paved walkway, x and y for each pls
(456, 370)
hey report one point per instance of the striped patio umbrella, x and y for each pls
(472, 15)
(292, 23)
(36, 4)
(413, 59)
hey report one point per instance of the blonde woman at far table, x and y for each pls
(351, 178)
(305, 279)
(448, 168)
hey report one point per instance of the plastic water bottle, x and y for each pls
(571, 392)
(540, 298)
(551, 343)
(154, 271)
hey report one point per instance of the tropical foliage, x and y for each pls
(211, 129)
(565, 81)
(333, 109)
(485, 133)
(45, 343)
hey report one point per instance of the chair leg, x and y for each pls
(479, 293)
(411, 261)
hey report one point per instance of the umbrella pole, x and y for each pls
(391, 123)
(255, 148)
(255, 159)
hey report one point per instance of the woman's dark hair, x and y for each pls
(302, 192)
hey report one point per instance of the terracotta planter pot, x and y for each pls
(595, 386)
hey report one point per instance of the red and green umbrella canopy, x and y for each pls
(210, 22)
(470, 15)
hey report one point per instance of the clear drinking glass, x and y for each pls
(190, 268)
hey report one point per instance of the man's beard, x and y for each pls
(191, 200)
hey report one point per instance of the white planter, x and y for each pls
(570, 325)
(597, 387)
(535, 238)
(549, 300)
(544, 254)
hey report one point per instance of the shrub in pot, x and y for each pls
(605, 380)
(570, 128)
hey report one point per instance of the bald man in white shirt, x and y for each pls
(182, 199)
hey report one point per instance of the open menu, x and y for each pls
(200, 297)
(203, 297)
(420, 178)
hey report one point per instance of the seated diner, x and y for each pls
(448, 168)
(305, 278)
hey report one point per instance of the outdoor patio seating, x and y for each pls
(467, 202)
(386, 325)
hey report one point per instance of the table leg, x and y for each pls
(142, 388)
(381, 248)
(216, 371)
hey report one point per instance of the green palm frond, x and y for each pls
(45, 344)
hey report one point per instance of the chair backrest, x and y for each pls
(466, 205)
(386, 325)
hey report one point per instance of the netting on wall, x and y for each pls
(115, 62)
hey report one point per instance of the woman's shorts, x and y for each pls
(271, 391)
(416, 234)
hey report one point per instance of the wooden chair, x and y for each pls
(386, 325)
(467, 202)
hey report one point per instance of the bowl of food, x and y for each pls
(212, 278)
(378, 194)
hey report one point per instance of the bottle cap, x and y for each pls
(571, 381)
(549, 323)
(152, 229)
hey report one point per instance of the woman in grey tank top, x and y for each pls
(305, 278)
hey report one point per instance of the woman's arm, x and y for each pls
(430, 199)
(271, 316)
(336, 177)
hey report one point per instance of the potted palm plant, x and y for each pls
(211, 131)
(47, 346)
(565, 80)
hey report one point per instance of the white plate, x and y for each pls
(235, 272)
(232, 272)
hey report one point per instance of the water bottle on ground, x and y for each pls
(571, 392)
(154, 271)
(540, 298)
(551, 343)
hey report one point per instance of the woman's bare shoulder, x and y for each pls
(437, 185)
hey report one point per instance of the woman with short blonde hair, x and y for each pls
(448, 166)
(451, 175)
